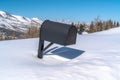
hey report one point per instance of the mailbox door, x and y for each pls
(71, 37)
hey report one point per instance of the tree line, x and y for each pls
(32, 32)
(96, 25)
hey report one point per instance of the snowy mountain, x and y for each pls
(99, 59)
(17, 23)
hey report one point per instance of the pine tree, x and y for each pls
(91, 27)
(118, 24)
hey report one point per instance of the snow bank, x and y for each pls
(99, 61)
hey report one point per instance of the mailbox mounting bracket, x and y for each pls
(50, 44)
(42, 49)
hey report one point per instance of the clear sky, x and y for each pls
(73, 10)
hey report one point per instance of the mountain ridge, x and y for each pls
(16, 22)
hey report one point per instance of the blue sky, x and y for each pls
(73, 10)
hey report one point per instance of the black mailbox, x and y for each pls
(56, 32)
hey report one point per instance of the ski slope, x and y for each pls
(99, 59)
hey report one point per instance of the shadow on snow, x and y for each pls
(65, 52)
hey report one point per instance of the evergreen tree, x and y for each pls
(118, 24)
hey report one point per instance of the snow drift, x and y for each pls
(100, 59)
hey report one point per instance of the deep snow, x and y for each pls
(100, 59)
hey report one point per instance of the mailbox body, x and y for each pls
(59, 33)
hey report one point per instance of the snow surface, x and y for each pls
(22, 19)
(100, 59)
(2, 13)
(37, 20)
